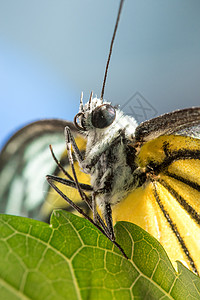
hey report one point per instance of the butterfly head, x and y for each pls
(95, 114)
(100, 116)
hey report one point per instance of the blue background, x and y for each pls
(51, 50)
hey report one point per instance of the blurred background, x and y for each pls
(50, 51)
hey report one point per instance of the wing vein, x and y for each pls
(174, 228)
(186, 206)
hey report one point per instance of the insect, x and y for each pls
(147, 174)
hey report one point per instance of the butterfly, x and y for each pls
(146, 174)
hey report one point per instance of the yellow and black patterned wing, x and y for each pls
(167, 205)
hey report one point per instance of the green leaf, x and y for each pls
(71, 259)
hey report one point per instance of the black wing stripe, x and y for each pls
(190, 210)
(190, 183)
(175, 230)
(172, 157)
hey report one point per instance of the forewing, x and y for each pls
(183, 122)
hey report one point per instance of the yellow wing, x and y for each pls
(168, 204)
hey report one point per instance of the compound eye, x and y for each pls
(103, 116)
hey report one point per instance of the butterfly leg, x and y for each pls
(51, 180)
(94, 207)
(109, 221)
(107, 214)
(70, 183)
(99, 197)
(102, 226)
(70, 143)
(86, 187)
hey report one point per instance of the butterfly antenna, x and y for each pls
(111, 46)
